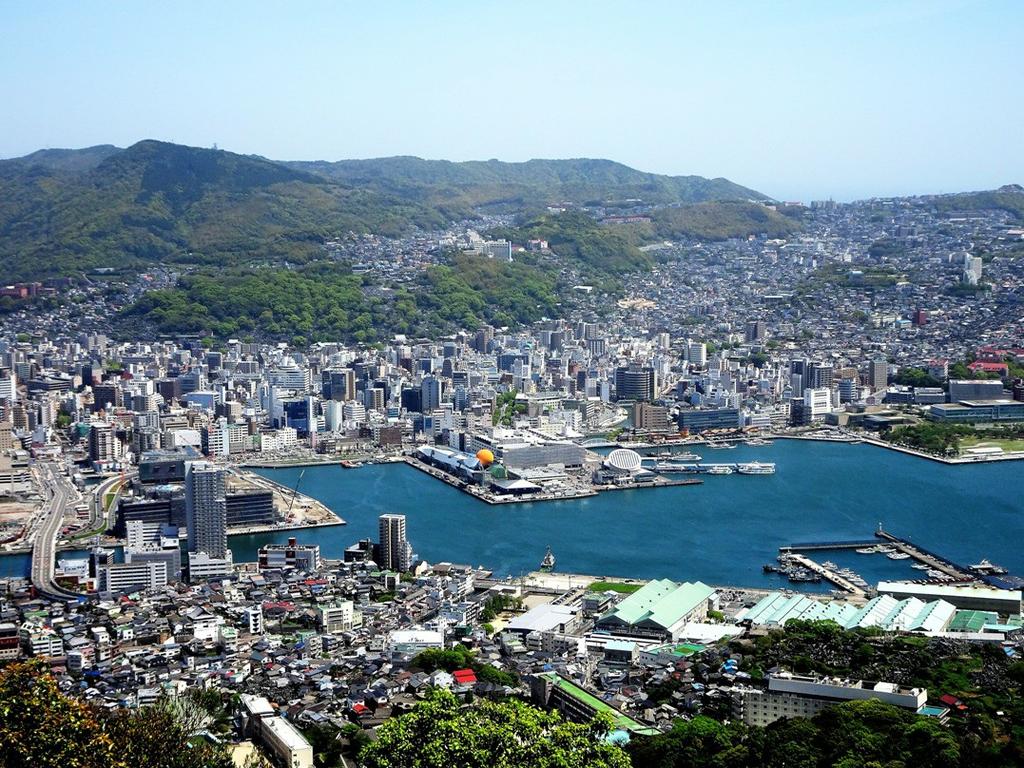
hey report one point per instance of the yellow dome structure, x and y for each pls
(485, 456)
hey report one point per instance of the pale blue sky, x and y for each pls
(797, 99)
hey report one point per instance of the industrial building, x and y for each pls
(884, 611)
(658, 610)
(1006, 602)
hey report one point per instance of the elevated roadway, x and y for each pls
(58, 495)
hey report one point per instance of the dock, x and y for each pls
(490, 498)
(921, 555)
(816, 546)
(917, 554)
(708, 468)
(827, 573)
(564, 494)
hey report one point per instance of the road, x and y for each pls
(58, 494)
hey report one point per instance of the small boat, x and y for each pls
(937, 574)
(757, 441)
(719, 469)
(866, 550)
(920, 567)
(898, 556)
(756, 468)
(986, 566)
(719, 446)
(548, 563)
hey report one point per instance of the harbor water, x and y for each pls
(721, 532)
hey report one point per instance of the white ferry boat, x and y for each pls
(756, 468)
(719, 469)
(685, 457)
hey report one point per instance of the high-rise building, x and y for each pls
(483, 338)
(878, 375)
(650, 418)
(819, 375)
(756, 330)
(338, 385)
(101, 442)
(206, 509)
(697, 353)
(430, 394)
(395, 551)
(848, 390)
(972, 269)
(634, 382)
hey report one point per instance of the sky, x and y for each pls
(799, 100)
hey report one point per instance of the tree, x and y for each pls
(42, 728)
(441, 734)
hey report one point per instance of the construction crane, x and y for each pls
(295, 491)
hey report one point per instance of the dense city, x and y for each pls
(128, 463)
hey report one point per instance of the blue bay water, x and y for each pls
(720, 532)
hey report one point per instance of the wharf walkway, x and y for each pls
(921, 555)
(812, 546)
(491, 498)
(827, 573)
(917, 554)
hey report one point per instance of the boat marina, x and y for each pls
(798, 567)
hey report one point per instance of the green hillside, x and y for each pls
(326, 302)
(531, 184)
(1008, 198)
(583, 242)
(158, 202)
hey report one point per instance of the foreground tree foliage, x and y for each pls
(858, 734)
(40, 727)
(440, 733)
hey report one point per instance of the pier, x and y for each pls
(813, 546)
(916, 553)
(710, 469)
(921, 555)
(564, 493)
(826, 573)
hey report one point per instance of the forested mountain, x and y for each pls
(65, 211)
(62, 212)
(530, 184)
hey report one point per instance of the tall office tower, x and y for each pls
(206, 510)
(634, 382)
(373, 399)
(430, 394)
(878, 375)
(697, 352)
(484, 337)
(395, 550)
(972, 269)
(819, 375)
(756, 330)
(101, 441)
(8, 385)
